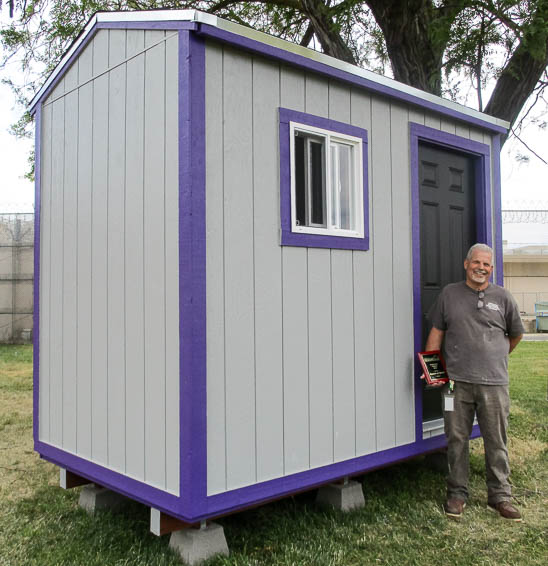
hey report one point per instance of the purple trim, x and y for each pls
(289, 238)
(192, 273)
(173, 25)
(108, 478)
(259, 493)
(112, 25)
(306, 63)
(36, 282)
(481, 153)
(499, 261)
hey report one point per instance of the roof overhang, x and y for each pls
(248, 38)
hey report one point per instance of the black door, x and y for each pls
(447, 230)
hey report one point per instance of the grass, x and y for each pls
(402, 522)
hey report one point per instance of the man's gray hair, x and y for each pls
(480, 248)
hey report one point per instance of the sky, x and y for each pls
(524, 185)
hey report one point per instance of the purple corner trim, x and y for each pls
(289, 238)
(499, 260)
(192, 274)
(306, 63)
(118, 482)
(36, 282)
(481, 153)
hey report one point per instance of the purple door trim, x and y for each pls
(482, 157)
(497, 205)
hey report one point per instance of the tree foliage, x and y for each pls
(445, 47)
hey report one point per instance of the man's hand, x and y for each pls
(514, 341)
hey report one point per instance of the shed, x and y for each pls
(236, 239)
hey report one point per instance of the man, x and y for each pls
(478, 324)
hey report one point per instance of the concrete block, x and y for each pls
(343, 496)
(93, 497)
(197, 545)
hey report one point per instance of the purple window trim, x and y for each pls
(499, 260)
(482, 155)
(309, 64)
(289, 238)
(192, 273)
(36, 282)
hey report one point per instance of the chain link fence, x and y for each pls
(16, 277)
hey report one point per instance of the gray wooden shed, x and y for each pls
(236, 241)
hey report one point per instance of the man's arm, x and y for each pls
(514, 341)
(435, 339)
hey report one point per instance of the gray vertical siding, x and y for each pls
(109, 346)
(310, 351)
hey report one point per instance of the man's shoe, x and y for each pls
(454, 507)
(506, 510)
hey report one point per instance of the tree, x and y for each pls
(429, 44)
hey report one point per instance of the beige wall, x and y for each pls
(528, 282)
(16, 272)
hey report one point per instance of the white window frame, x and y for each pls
(330, 202)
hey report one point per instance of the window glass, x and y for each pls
(316, 193)
(300, 181)
(345, 192)
(326, 182)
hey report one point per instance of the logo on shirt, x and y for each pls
(492, 306)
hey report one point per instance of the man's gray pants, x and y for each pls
(491, 404)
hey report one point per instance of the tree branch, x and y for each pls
(523, 70)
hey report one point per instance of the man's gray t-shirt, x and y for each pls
(476, 344)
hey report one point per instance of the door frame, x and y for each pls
(481, 159)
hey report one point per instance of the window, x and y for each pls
(326, 182)
(323, 182)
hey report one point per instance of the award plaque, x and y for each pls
(433, 367)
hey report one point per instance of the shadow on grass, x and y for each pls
(50, 528)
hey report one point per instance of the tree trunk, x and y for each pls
(415, 51)
(326, 30)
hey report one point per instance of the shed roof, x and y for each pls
(248, 38)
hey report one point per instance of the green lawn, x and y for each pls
(402, 523)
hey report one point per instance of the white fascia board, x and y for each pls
(244, 31)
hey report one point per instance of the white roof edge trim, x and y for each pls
(261, 37)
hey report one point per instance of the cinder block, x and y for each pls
(343, 496)
(93, 497)
(197, 545)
